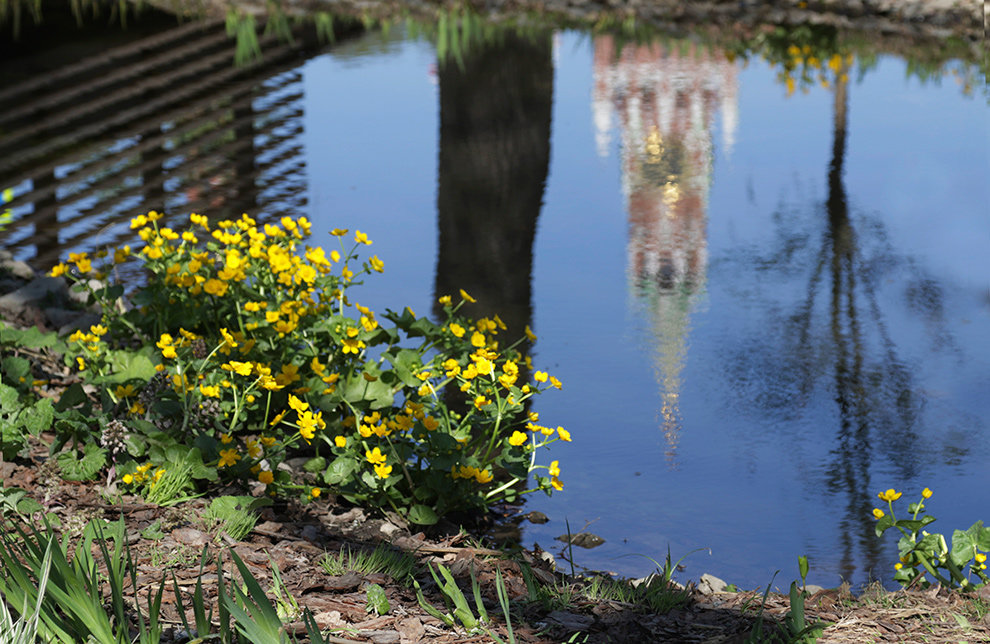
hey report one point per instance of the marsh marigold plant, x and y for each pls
(253, 350)
(923, 554)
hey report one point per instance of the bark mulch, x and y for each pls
(296, 538)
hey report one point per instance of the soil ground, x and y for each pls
(297, 538)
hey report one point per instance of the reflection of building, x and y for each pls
(664, 101)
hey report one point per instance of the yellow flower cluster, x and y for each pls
(469, 472)
(141, 475)
(89, 341)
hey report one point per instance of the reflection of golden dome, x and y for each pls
(671, 193)
(654, 145)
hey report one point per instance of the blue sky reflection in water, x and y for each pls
(751, 346)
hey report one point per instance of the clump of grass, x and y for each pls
(383, 559)
(235, 514)
(655, 594)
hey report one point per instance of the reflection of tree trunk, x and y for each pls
(494, 154)
(851, 470)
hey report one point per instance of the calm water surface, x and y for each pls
(764, 308)
(749, 354)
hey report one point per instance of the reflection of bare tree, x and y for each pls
(664, 100)
(878, 411)
(494, 155)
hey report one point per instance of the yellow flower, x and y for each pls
(278, 418)
(480, 401)
(889, 495)
(444, 300)
(240, 368)
(529, 334)
(268, 441)
(555, 468)
(340, 441)
(124, 391)
(253, 448)
(477, 339)
(482, 476)
(564, 434)
(351, 345)
(518, 438)
(338, 232)
(898, 566)
(467, 297)
(59, 269)
(211, 391)
(926, 493)
(430, 423)
(556, 483)
(81, 363)
(377, 264)
(451, 367)
(361, 238)
(128, 478)
(981, 557)
(266, 477)
(375, 456)
(556, 383)
(382, 471)
(877, 513)
(214, 286)
(315, 492)
(228, 338)
(228, 457)
(457, 330)
(541, 376)
(225, 438)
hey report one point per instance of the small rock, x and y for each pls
(383, 637)
(32, 293)
(389, 529)
(19, 269)
(537, 517)
(710, 584)
(582, 539)
(411, 630)
(190, 537)
(310, 532)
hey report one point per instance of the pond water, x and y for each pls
(766, 304)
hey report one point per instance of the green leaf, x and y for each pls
(912, 525)
(315, 465)
(9, 399)
(422, 515)
(340, 470)
(81, 468)
(966, 544)
(377, 601)
(71, 397)
(127, 366)
(16, 367)
(38, 417)
(357, 391)
(30, 338)
(407, 364)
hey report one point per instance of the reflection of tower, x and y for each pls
(664, 102)
(495, 110)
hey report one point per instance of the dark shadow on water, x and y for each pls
(495, 112)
